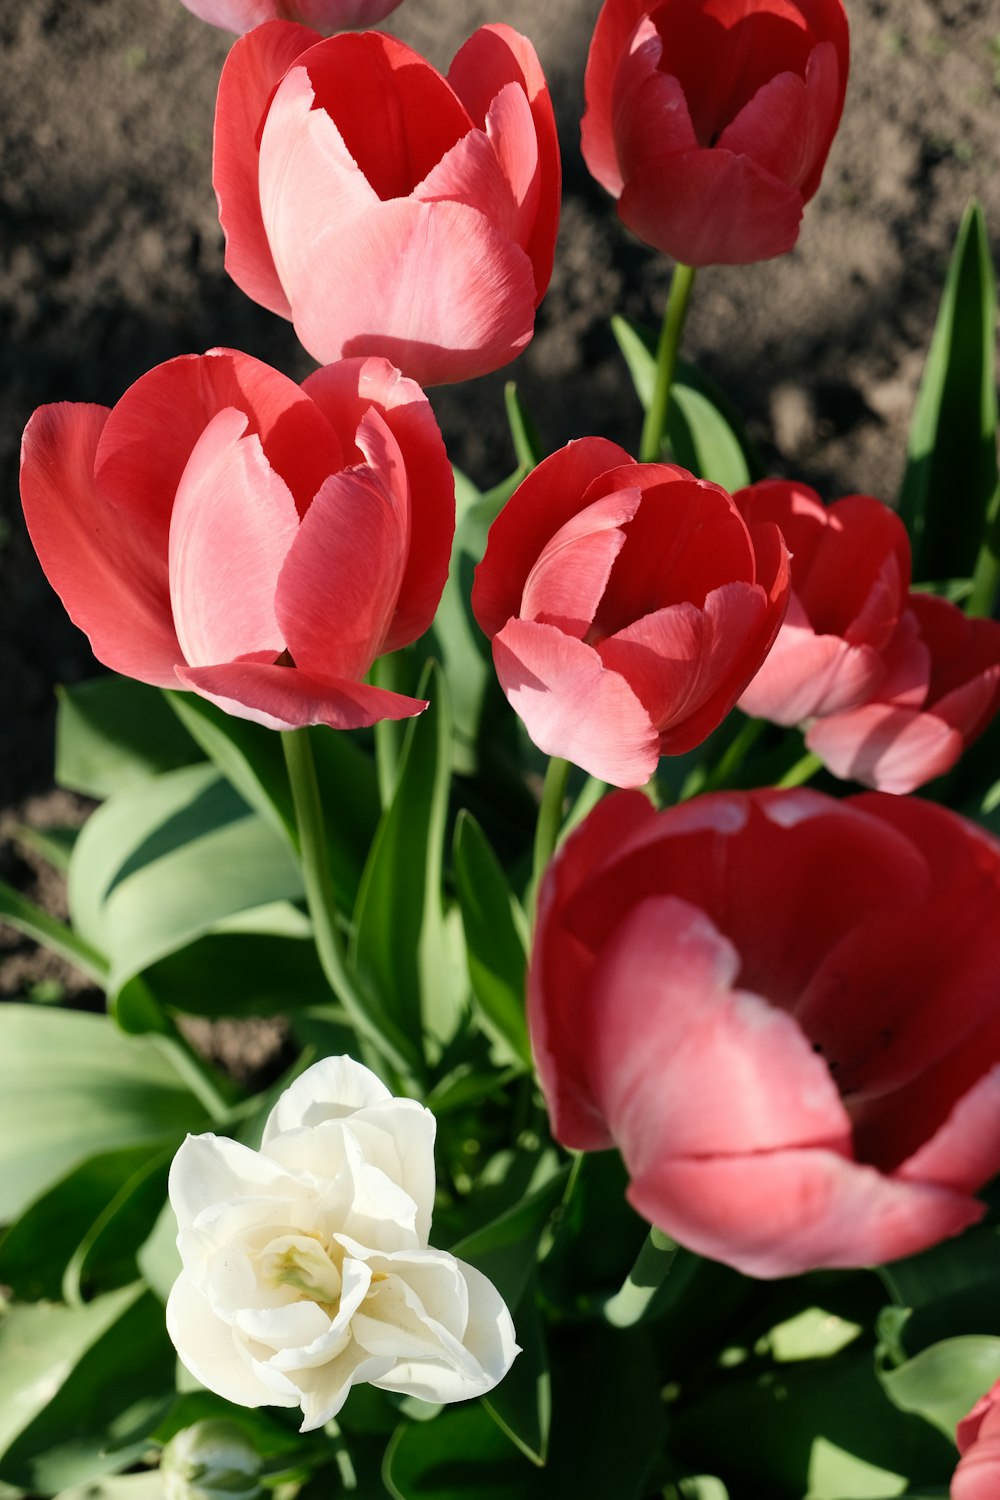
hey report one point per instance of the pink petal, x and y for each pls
(511, 129)
(572, 706)
(150, 434)
(471, 174)
(430, 286)
(232, 525)
(546, 500)
(805, 675)
(615, 25)
(344, 392)
(857, 576)
(338, 588)
(494, 57)
(253, 68)
(565, 586)
(709, 207)
(686, 1064)
(965, 1152)
(658, 656)
(893, 749)
(112, 581)
(785, 1212)
(907, 664)
(286, 698)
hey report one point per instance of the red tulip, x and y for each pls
(383, 208)
(710, 120)
(628, 604)
(893, 685)
(978, 1436)
(783, 1010)
(223, 530)
(325, 15)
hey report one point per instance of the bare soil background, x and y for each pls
(111, 261)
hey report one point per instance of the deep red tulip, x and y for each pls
(325, 15)
(710, 120)
(224, 530)
(628, 605)
(783, 1010)
(978, 1436)
(891, 685)
(383, 208)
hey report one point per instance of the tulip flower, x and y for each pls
(306, 1264)
(978, 1437)
(224, 530)
(628, 605)
(325, 15)
(783, 1010)
(710, 120)
(890, 685)
(383, 208)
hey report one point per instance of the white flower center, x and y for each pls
(302, 1262)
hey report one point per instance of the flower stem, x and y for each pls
(655, 425)
(735, 754)
(550, 813)
(374, 1028)
(647, 1283)
(802, 771)
(986, 574)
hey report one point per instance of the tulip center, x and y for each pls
(302, 1263)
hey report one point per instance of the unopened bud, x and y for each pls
(213, 1460)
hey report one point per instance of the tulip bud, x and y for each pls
(213, 1460)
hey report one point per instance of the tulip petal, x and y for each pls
(709, 207)
(210, 1169)
(572, 706)
(651, 115)
(545, 502)
(771, 129)
(430, 286)
(286, 698)
(615, 25)
(471, 172)
(782, 1213)
(964, 1153)
(112, 582)
(804, 675)
(685, 1064)
(565, 585)
(338, 587)
(209, 1350)
(252, 70)
(332, 1087)
(893, 749)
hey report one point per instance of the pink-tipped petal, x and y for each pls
(286, 698)
(572, 706)
(430, 286)
(233, 523)
(111, 581)
(251, 73)
(781, 1213)
(892, 749)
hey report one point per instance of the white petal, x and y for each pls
(324, 1390)
(329, 1090)
(207, 1349)
(210, 1170)
(282, 1328)
(398, 1137)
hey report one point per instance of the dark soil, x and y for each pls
(111, 261)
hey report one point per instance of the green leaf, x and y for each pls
(522, 1403)
(399, 943)
(54, 844)
(162, 864)
(36, 1248)
(950, 485)
(72, 1087)
(704, 431)
(506, 1250)
(461, 1455)
(145, 1486)
(76, 1382)
(158, 1257)
(112, 733)
(54, 935)
(942, 1383)
(495, 937)
(528, 448)
(106, 1256)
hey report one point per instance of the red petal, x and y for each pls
(286, 698)
(565, 585)
(615, 25)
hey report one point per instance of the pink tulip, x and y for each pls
(383, 208)
(710, 120)
(891, 685)
(628, 604)
(325, 15)
(978, 1436)
(224, 530)
(783, 1010)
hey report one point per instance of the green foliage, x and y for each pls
(113, 733)
(496, 938)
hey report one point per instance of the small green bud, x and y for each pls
(213, 1460)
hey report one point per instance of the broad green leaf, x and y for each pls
(145, 1486)
(160, 865)
(52, 934)
(399, 943)
(495, 937)
(506, 1250)
(80, 1387)
(461, 1455)
(264, 1427)
(948, 1290)
(72, 1087)
(106, 1256)
(239, 970)
(704, 431)
(158, 1257)
(943, 1382)
(950, 485)
(37, 1247)
(522, 1403)
(523, 433)
(113, 732)
(814, 1333)
(54, 844)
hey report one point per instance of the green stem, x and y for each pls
(655, 425)
(377, 1030)
(523, 432)
(647, 1282)
(734, 755)
(550, 815)
(802, 771)
(986, 574)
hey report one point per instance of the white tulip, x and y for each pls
(306, 1264)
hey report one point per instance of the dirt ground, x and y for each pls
(111, 261)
